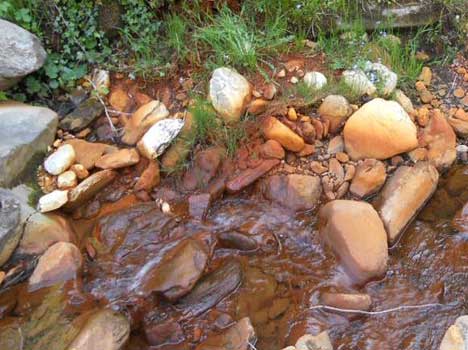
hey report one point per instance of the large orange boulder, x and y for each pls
(380, 129)
(357, 236)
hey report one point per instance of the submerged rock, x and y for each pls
(199, 205)
(10, 224)
(297, 192)
(249, 176)
(238, 337)
(379, 129)
(142, 120)
(177, 274)
(43, 230)
(25, 132)
(60, 262)
(236, 240)
(362, 252)
(404, 195)
(21, 53)
(105, 330)
(212, 288)
(347, 301)
(229, 93)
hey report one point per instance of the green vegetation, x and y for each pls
(150, 38)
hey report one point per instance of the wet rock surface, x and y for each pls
(364, 253)
(404, 195)
(10, 224)
(238, 336)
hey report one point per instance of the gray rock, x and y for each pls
(82, 116)
(25, 132)
(456, 337)
(21, 53)
(10, 224)
(105, 330)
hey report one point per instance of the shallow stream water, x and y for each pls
(281, 278)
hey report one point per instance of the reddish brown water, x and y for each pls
(281, 282)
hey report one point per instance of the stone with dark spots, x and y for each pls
(212, 288)
(199, 205)
(240, 336)
(249, 176)
(177, 273)
(82, 116)
(89, 188)
(236, 240)
(10, 224)
(297, 192)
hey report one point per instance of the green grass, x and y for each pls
(231, 39)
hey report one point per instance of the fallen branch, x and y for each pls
(106, 111)
(381, 312)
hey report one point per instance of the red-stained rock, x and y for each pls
(119, 159)
(199, 205)
(149, 178)
(204, 169)
(347, 301)
(237, 337)
(249, 176)
(273, 129)
(272, 149)
(369, 177)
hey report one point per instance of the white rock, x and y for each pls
(310, 342)
(67, 180)
(315, 80)
(381, 76)
(52, 201)
(456, 337)
(101, 80)
(60, 160)
(357, 80)
(229, 93)
(159, 137)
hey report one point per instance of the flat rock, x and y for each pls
(52, 201)
(25, 132)
(297, 192)
(441, 141)
(86, 112)
(362, 252)
(199, 205)
(347, 301)
(142, 120)
(237, 337)
(10, 224)
(229, 93)
(249, 176)
(59, 263)
(369, 178)
(379, 129)
(212, 288)
(43, 230)
(404, 195)
(89, 187)
(88, 153)
(119, 159)
(21, 53)
(105, 330)
(177, 274)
